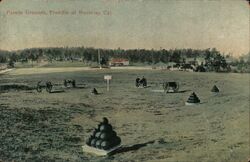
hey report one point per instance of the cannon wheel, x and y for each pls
(39, 88)
(166, 86)
(144, 84)
(70, 81)
(73, 83)
(65, 83)
(177, 87)
(49, 87)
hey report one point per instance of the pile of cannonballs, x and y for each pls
(104, 137)
(215, 89)
(193, 99)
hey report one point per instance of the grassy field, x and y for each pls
(153, 126)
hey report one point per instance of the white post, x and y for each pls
(108, 78)
(99, 58)
(107, 84)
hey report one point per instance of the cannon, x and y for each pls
(56, 88)
(170, 87)
(71, 83)
(141, 82)
(48, 86)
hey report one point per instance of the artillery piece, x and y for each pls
(48, 86)
(171, 87)
(56, 88)
(72, 82)
(68, 83)
(141, 82)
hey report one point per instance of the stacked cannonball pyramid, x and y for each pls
(193, 99)
(215, 89)
(104, 137)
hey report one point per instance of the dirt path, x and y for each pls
(45, 70)
(5, 71)
(132, 68)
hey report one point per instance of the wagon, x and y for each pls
(171, 87)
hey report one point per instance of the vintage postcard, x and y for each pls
(124, 80)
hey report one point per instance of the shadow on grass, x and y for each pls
(179, 91)
(131, 148)
(77, 87)
(96, 94)
(144, 87)
(57, 91)
(80, 87)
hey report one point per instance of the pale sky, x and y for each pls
(199, 24)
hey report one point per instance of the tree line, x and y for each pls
(213, 58)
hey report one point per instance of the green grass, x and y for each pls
(26, 64)
(67, 64)
(46, 127)
(53, 64)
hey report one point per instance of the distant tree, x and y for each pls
(104, 61)
(214, 61)
(11, 63)
(31, 57)
(49, 55)
(3, 58)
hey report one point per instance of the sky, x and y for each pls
(128, 24)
